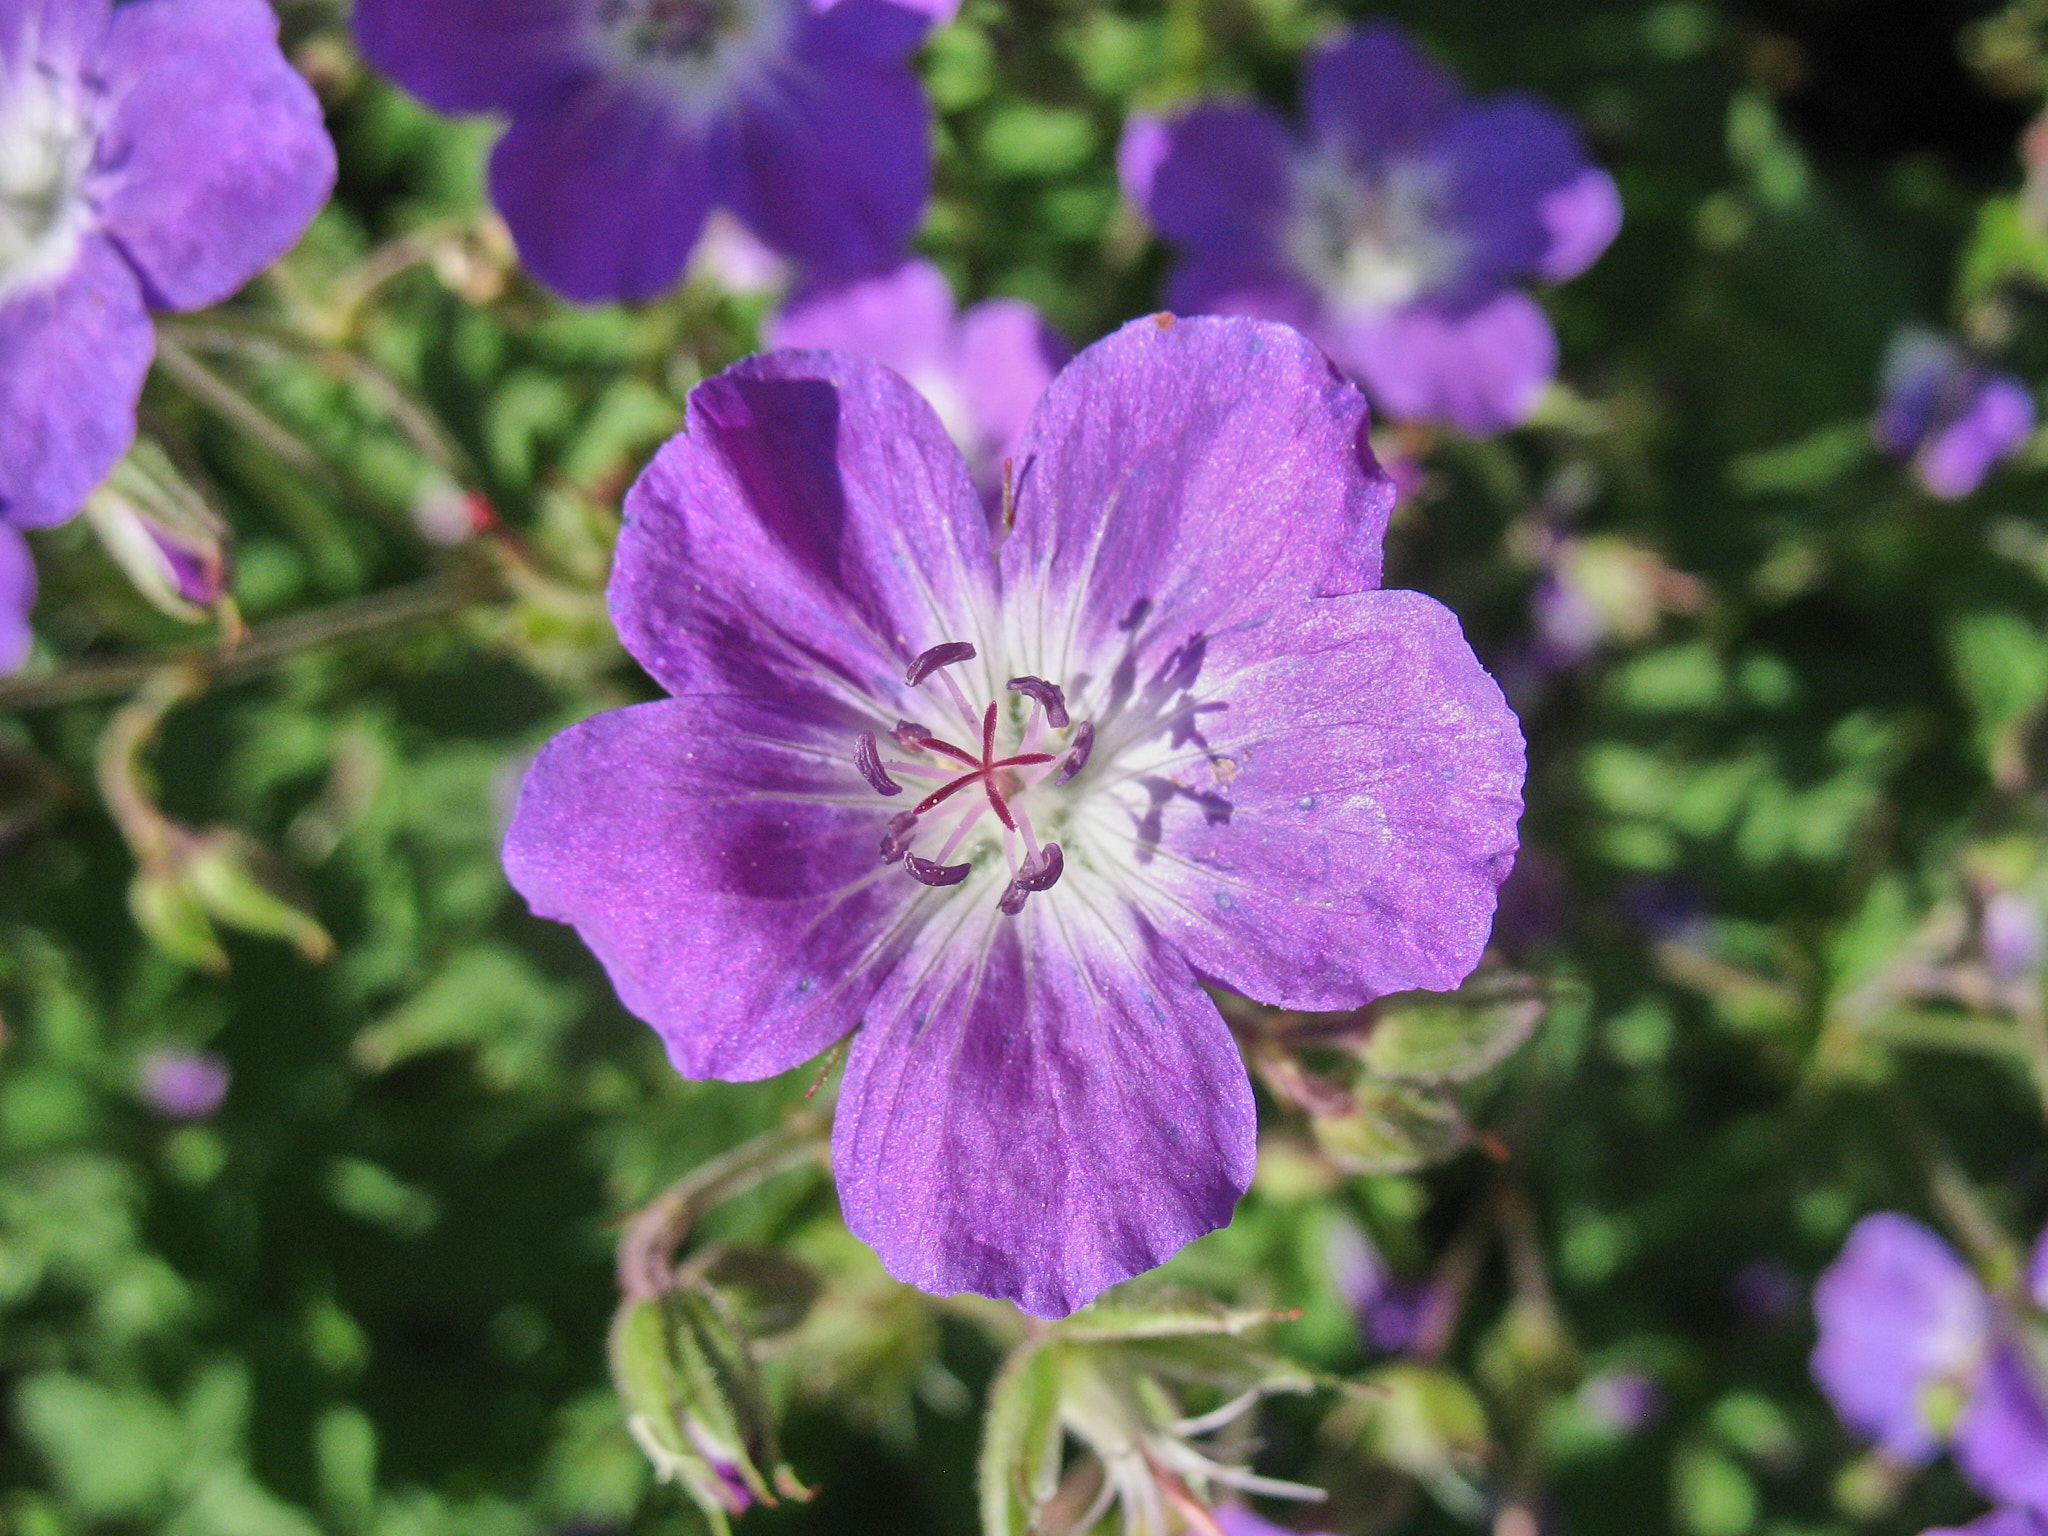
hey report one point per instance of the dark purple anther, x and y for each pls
(910, 735)
(1040, 874)
(897, 840)
(925, 872)
(869, 762)
(938, 656)
(1077, 759)
(1047, 694)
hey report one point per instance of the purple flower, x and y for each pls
(183, 1085)
(1396, 232)
(633, 119)
(1005, 805)
(982, 371)
(1238, 1520)
(1900, 1317)
(1623, 1401)
(1913, 1351)
(2011, 935)
(17, 597)
(152, 157)
(2000, 1522)
(1948, 414)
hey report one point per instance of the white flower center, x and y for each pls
(1371, 243)
(699, 53)
(46, 149)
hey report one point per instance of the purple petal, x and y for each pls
(1998, 420)
(814, 526)
(184, 1085)
(879, 29)
(476, 55)
(1481, 371)
(17, 598)
(1007, 358)
(1335, 826)
(2002, 1440)
(831, 163)
(1143, 148)
(1582, 217)
(1226, 179)
(720, 859)
(1183, 476)
(1038, 1108)
(1237, 1520)
(1242, 279)
(605, 190)
(1507, 158)
(217, 155)
(1375, 95)
(65, 32)
(903, 317)
(1897, 1312)
(72, 360)
(2000, 1522)
(2037, 1273)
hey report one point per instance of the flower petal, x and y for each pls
(1007, 357)
(1225, 178)
(1897, 1311)
(1331, 824)
(1039, 1107)
(724, 867)
(831, 162)
(1184, 476)
(1507, 158)
(1481, 370)
(902, 317)
(2000, 1522)
(1372, 92)
(2002, 1439)
(17, 597)
(1242, 279)
(1583, 217)
(64, 33)
(605, 190)
(476, 55)
(2000, 417)
(881, 29)
(73, 356)
(811, 533)
(217, 152)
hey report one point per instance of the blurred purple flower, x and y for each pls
(1396, 234)
(632, 119)
(1569, 628)
(1212, 748)
(183, 1085)
(1623, 1401)
(2000, 1522)
(982, 371)
(2011, 935)
(17, 598)
(152, 157)
(1391, 1309)
(1948, 413)
(1239, 1520)
(1913, 1352)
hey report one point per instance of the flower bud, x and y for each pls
(1114, 1377)
(695, 1404)
(162, 534)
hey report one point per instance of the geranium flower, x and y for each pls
(1914, 1353)
(2000, 1522)
(184, 1085)
(155, 156)
(1396, 232)
(633, 119)
(1948, 414)
(982, 371)
(1006, 803)
(17, 597)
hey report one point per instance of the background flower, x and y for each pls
(1948, 414)
(154, 157)
(632, 119)
(1395, 232)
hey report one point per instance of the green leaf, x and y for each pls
(1021, 1438)
(1394, 1129)
(1430, 1038)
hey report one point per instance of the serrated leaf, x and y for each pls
(1394, 1129)
(1433, 1038)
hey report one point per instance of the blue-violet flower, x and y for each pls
(1006, 803)
(632, 119)
(1396, 232)
(1948, 414)
(17, 597)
